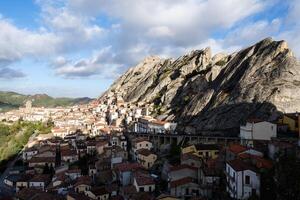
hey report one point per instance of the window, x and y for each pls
(141, 189)
(146, 145)
(233, 175)
(247, 179)
(187, 191)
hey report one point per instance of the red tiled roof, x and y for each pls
(143, 179)
(83, 180)
(259, 161)
(239, 165)
(68, 152)
(41, 178)
(34, 194)
(180, 167)
(140, 139)
(122, 167)
(180, 182)
(188, 156)
(144, 152)
(99, 191)
(77, 196)
(236, 148)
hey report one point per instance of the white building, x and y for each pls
(242, 180)
(29, 153)
(148, 124)
(257, 130)
(143, 182)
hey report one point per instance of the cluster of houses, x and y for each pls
(112, 166)
(78, 167)
(108, 114)
(91, 157)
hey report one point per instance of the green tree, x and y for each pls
(174, 154)
(288, 177)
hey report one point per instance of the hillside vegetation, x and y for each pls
(12, 100)
(14, 137)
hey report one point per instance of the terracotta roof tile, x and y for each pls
(180, 167)
(180, 182)
(239, 165)
(122, 167)
(143, 179)
(237, 148)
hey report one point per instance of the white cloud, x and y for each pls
(252, 32)
(291, 34)
(101, 64)
(8, 73)
(165, 27)
(160, 31)
(15, 43)
(62, 32)
(138, 28)
(189, 21)
(64, 21)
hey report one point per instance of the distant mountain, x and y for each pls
(13, 100)
(205, 93)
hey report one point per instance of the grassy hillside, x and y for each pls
(12, 100)
(13, 138)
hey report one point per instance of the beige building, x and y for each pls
(83, 184)
(202, 150)
(98, 193)
(140, 143)
(146, 158)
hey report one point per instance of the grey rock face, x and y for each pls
(216, 94)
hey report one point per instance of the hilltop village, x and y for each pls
(111, 149)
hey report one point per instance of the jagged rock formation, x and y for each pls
(206, 94)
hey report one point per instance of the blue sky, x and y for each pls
(77, 48)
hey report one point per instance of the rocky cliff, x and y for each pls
(212, 94)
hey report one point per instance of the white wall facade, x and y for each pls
(237, 186)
